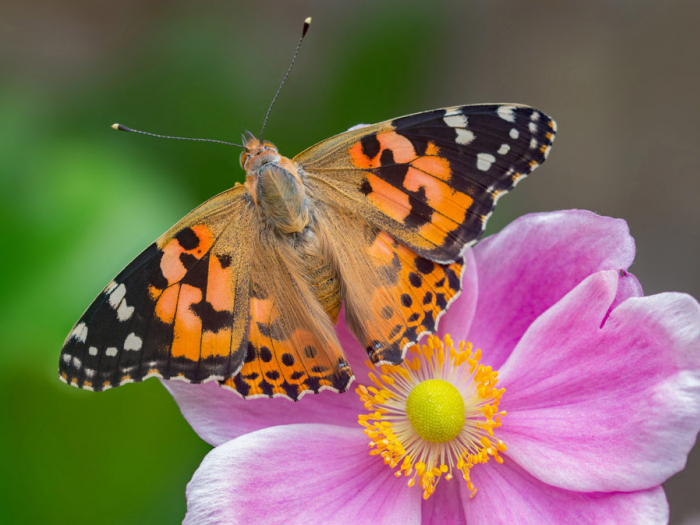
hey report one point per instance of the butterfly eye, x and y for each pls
(244, 158)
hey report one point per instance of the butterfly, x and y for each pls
(246, 289)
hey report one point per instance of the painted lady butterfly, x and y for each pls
(246, 288)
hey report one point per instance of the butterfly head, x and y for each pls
(257, 152)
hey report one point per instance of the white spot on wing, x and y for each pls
(133, 342)
(533, 143)
(89, 372)
(464, 136)
(456, 120)
(484, 161)
(535, 116)
(111, 351)
(124, 311)
(80, 332)
(514, 134)
(77, 363)
(67, 358)
(505, 148)
(92, 350)
(117, 295)
(506, 113)
(532, 127)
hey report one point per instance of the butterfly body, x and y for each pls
(275, 186)
(246, 289)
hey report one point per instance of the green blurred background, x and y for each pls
(79, 200)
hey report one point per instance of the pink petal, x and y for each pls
(506, 495)
(299, 474)
(353, 351)
(458, 319)
(605, 409)
(219, 415)
(445, 506)
(534, 262)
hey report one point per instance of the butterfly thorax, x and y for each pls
(274, 183)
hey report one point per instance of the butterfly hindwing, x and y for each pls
(402, 294)
(178, 311)
(431, 180)
(292, 347)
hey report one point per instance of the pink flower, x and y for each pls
(602, 395)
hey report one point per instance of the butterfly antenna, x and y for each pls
(121, 127)
(307, 23)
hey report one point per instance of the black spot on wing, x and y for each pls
(266, 388)
(241, 386)
(198, 272)
(421, 213)
(251, 353)
(188, 260)
(366, 187)
(212, 319)
(370, 145)
(224, 260)
(424, 266)
(291, 390)
(265, 354)
(187, 239)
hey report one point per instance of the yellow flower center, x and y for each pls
(434, 414)
(435, 408)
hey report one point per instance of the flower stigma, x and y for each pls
(434, 414)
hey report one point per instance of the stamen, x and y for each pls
(448, 424)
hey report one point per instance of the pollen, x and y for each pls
(434, 415)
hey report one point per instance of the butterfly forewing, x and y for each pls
(179, 310)
(431, 180)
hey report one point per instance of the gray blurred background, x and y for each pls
(620, 77)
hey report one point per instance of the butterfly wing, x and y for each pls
(421, 189)
(392, 295)
(431, 180)
(178, 311)
(292, 347)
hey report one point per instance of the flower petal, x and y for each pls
(534, 262)
(446, 504)
(608, 408)
(507, 494)
(357, 357)
(458, 319)
(298, 474)
(219, 415)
